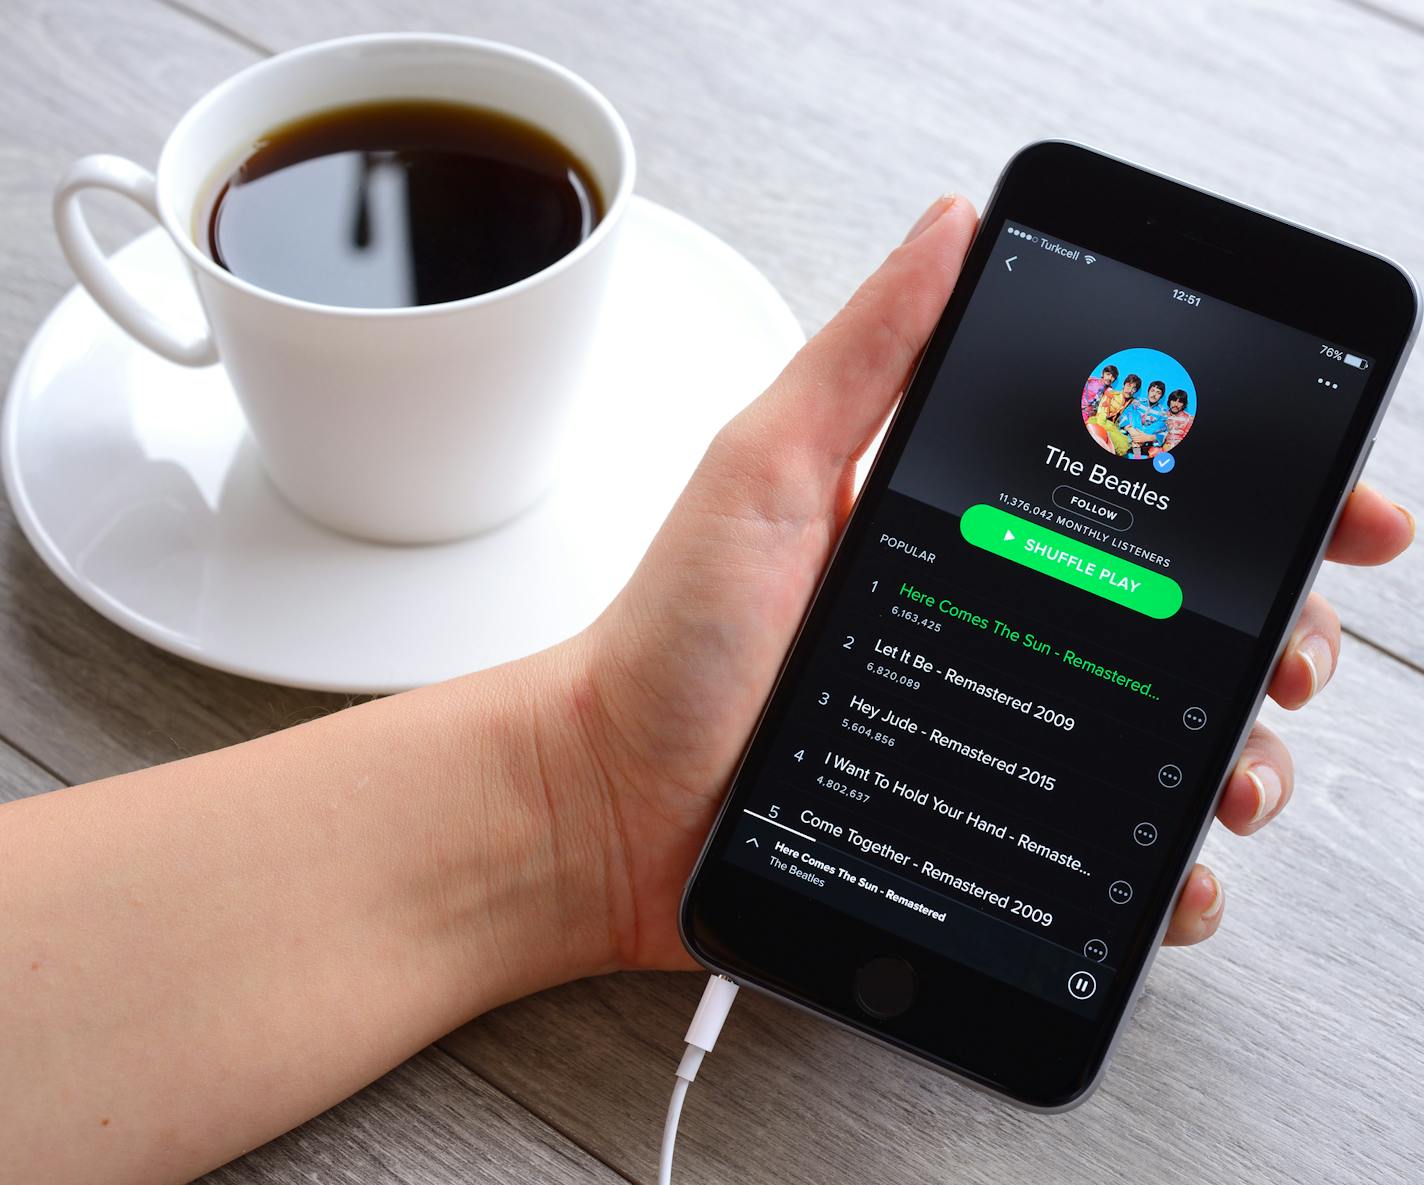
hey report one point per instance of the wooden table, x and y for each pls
(810, 134)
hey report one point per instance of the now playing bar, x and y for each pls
(862, 876)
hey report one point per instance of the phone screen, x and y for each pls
(1033, 658)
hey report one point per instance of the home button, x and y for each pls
(885, 987)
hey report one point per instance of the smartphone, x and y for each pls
(999, 739)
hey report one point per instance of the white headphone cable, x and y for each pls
(707, 1021)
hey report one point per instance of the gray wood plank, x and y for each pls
(21, 777)
(1409, 14)
(1286, 1050)
(811, 135)
(428, 1122)
(82, 694)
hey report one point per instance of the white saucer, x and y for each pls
(136, 483)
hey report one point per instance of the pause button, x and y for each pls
(1081, 985)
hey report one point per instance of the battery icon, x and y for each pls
(1356, 361)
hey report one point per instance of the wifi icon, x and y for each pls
(1090, 259)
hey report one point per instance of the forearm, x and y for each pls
(198, 956)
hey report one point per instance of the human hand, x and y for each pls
(669, 683)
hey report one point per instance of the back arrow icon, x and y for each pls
(1009, 262)
(753, 842)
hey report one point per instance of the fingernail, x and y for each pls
(1315, 650)
(1413, 526)
(1268, 790)
(1216, 902)
(931, 216)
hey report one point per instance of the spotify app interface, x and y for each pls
(1036, 649)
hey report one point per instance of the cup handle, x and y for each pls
(136, 183)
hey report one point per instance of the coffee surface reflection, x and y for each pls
(401, 203)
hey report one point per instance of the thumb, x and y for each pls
(687, 652)
(834, 395)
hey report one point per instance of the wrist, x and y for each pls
(531, 831)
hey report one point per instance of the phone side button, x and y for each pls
(1365, 460)
(885, 987)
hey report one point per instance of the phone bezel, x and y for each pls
(1035, 1053)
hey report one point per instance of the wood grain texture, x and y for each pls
(811, 135)
(21, 777)
(1286, 1050)
(1408, 13)
(428, 1122)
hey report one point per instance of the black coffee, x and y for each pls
(389, 204)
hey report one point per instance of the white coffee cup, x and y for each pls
(405, 425)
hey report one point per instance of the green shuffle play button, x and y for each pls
(1071, 561)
